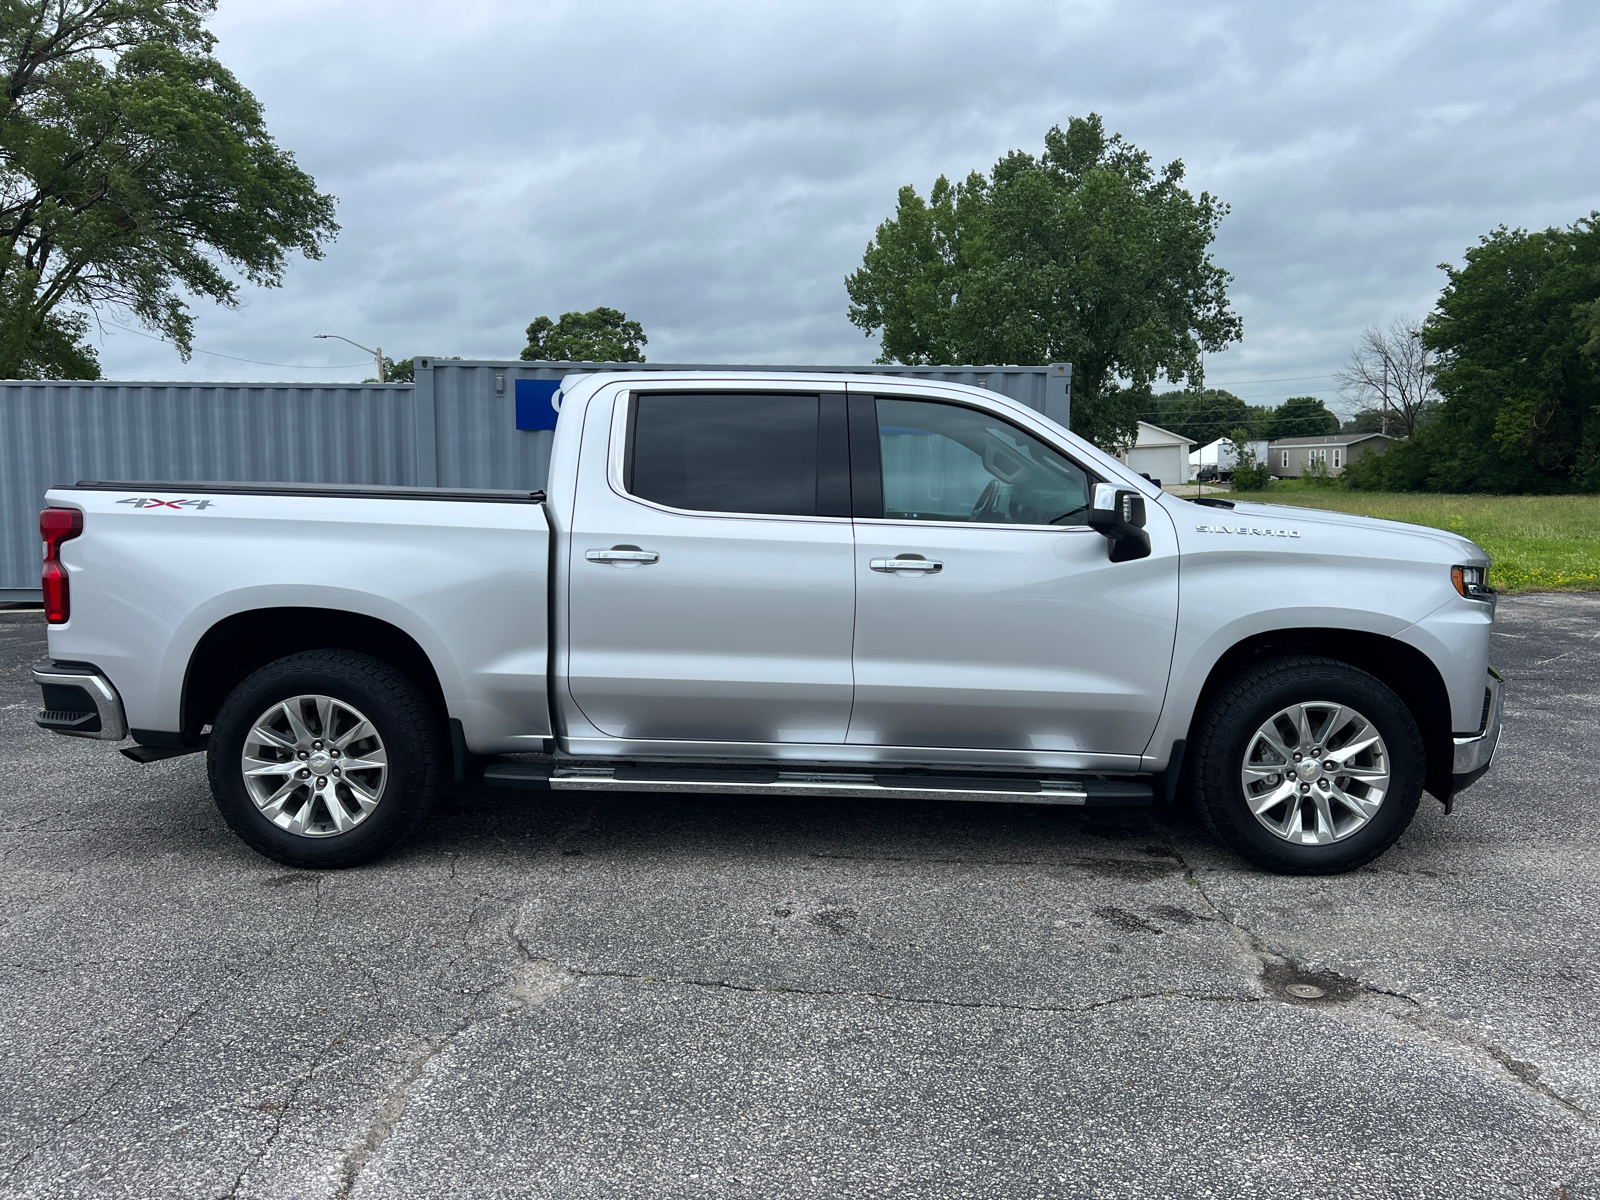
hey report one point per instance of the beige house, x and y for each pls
(1160, 454)
(1289, 457)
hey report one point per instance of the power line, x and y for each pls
(1284, 379)
(235, 358)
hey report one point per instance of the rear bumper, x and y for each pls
(1475, 754)
(79, 702)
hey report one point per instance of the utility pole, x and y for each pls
(1384, 424)
(376, 351)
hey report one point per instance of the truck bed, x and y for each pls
(460, 574)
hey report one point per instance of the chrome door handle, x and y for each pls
(621, 554)
(926, 565)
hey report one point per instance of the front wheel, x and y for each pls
(1308, 766)
(325, 759)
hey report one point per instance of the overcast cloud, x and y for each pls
(717, 169)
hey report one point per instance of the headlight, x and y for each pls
(1469, 582)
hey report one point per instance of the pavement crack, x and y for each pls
(183, 1023)
(533, 981)
(281, 1113)
(386, 1118)
(1458, 1038)
(935, 1001)
(912, 858)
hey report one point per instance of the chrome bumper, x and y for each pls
(79, 702)
(1473, 755)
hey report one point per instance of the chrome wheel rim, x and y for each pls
(1315, 773)
(314, 766)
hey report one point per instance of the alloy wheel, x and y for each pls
(314, 765)
(1315, 773)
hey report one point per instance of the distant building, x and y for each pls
(1289, 457)
(1160, 454)
(1221, 457)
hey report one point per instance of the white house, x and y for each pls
(1160, 454)
(1221, 455)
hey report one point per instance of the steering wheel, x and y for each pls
(988, 503)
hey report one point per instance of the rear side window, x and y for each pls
(722, 452)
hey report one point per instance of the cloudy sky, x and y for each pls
(716, 169)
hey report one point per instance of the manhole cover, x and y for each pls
(1304, 991)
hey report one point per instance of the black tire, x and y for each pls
(1248, 700)
(395, 707)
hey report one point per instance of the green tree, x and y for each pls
(1368, 420)
(404, 370)
(135, 169)
(1514, 329)
(1085, 255)
(1300, 416)
(1204, 416)
(599, 335)
(1517, 333)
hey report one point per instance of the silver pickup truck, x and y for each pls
(792, 585)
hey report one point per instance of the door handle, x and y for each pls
(927, 566)
(622, 554)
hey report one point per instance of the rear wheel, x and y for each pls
(325, 759)
(1308, 766)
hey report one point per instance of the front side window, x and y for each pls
(724, 452)
(945, 462)
(1286, 459)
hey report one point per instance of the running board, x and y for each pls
(1094, 793)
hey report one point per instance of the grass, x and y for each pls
(1538, 543)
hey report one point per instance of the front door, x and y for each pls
(712, 580)
(988, 616)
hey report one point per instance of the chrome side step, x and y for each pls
(759, 781)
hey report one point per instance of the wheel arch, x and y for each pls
(1403, 669)
(239, 644)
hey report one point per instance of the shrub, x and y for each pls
(1248, 474)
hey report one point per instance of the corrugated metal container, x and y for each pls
(455, 428)
(53, 433)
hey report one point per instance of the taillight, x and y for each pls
(57, 525)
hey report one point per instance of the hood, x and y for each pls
(1463, 550)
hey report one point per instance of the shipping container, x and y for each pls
(457, 426)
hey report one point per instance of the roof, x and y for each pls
(1160, 437)
(1328, 439)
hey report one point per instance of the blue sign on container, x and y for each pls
(536, 407)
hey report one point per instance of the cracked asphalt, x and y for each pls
(675, 996)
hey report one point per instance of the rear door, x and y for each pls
(712, 576)
(988, 616)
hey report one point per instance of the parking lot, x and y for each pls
(635, 995)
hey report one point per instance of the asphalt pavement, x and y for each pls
(674, 996)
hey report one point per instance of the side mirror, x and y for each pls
(1118, 513)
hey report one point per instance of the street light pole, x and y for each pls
(376, 353)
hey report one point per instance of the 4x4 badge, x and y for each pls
(157, 502)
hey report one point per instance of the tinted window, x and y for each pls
(944, 462)
(726, 453)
